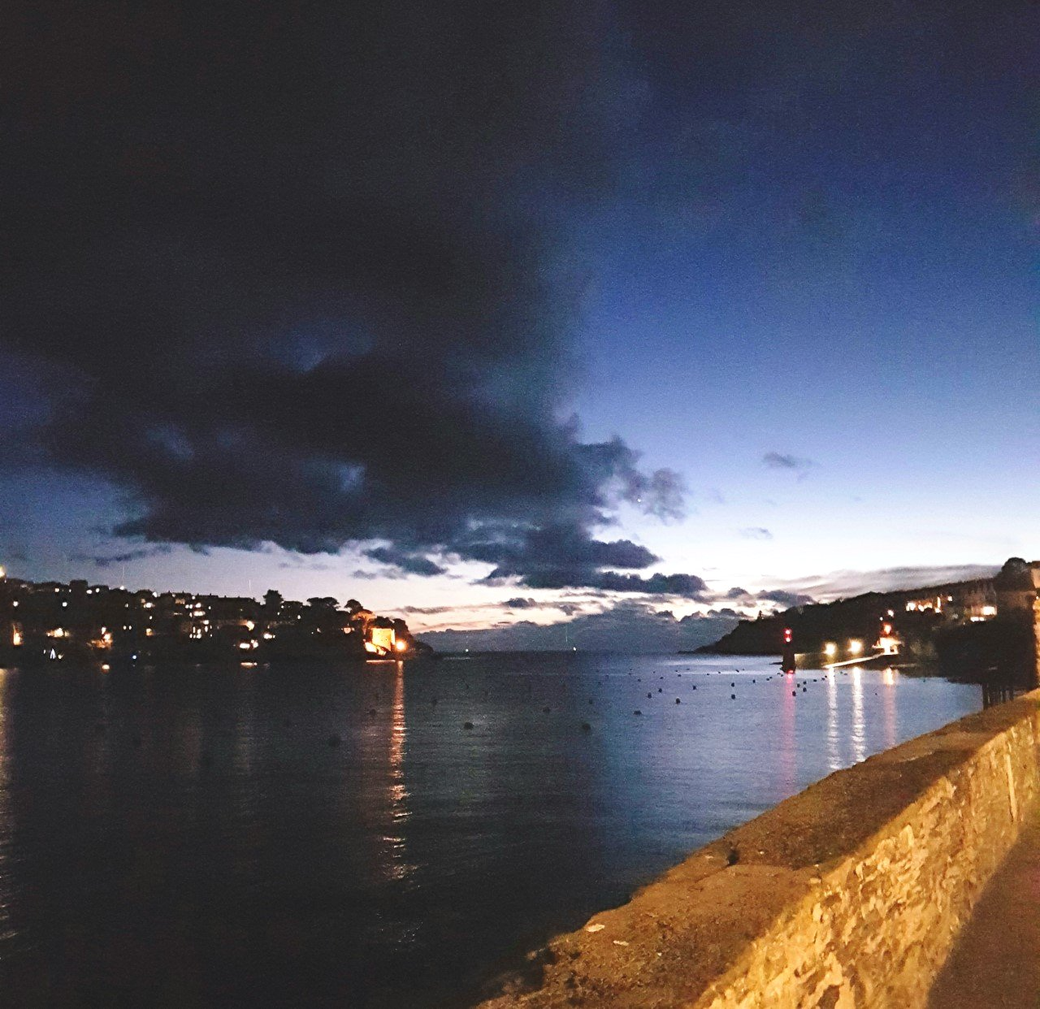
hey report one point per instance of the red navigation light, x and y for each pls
(787, 635)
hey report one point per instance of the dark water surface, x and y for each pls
(189, 837)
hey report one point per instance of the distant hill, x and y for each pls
(858, 617)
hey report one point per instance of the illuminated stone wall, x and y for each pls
(848, 894)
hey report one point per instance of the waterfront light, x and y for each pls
(830, 649)
(855, 646)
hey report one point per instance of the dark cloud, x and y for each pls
(689, 586)
(794, 463)
(414, 564)
(283, 278)
(756, 533)
(109, 560)
(520, 603)
(560, 557)
(785, 598)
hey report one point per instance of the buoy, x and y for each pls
(545, 710)
(467, 725)
(677, 701)
(637, 712)
(732, 697)
(585, 727)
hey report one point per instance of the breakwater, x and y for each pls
(850, 893)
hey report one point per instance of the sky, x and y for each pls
(591, 323)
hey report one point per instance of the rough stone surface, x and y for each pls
(850, 893)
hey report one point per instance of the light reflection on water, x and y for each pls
(239, 837)
(859, 728)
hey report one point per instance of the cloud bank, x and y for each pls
(291, 277)
(630, 626)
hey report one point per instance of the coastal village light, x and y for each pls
(830, 649)
(855, 646)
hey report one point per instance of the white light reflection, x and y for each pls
(888, 678)
(833, 737)
(397, 794)
(859, 735)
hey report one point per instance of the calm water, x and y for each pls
(189, 837)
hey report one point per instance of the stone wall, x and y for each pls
(850, 893)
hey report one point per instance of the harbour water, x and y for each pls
(336, 836)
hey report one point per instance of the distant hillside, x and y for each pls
(859, 617)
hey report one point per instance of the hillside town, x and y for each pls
(54, 621)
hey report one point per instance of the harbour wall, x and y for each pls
(850, 893)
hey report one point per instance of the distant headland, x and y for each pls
(56, 621)
(968, 628)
